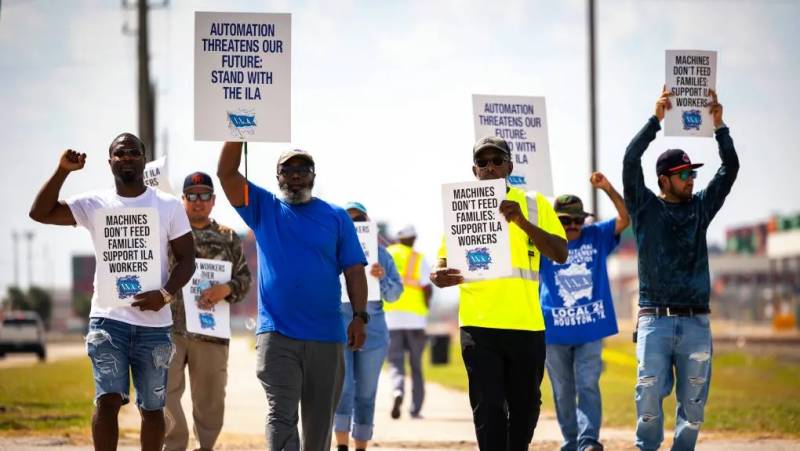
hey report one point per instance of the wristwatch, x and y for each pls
(168, 298)
(363, 315)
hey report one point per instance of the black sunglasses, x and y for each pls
(567, 220)
(360, 218)
(192, 197)
(299, 170)
(496, 161)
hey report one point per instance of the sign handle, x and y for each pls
(246, 185)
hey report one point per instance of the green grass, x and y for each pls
(749, 394)
(56, 397)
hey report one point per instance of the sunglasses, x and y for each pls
(567, 220)
(193, 197)
(360, 218)
(686, 174)
(132, 153)
(299, 170)
(496, 161)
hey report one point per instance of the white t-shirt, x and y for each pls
(406, 320)
(173, 224)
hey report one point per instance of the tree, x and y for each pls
(82, 305)
(41, 301)
(16, 299)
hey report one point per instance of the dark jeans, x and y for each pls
(505, 369)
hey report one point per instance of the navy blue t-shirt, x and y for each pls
(302, 249)
(576, 297)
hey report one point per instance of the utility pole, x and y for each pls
(592, 102)
(145, 86)
(29, 236)
(15, 238)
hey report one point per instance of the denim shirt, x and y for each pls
(671, 237)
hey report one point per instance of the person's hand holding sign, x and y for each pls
(512, 212)
(213, 294)
(445, 277)
(663, 104)
(72, 161)
(716, 109)
(149, 300)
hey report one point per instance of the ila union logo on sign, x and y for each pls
(242, 122)
(692, 119)
(128, 286)
(479, 258)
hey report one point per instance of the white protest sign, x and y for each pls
(242, 77)
(368, 237)
(522, 122)
(155, 175)
(215, 322)
(690, 74)
(128, 253)
(476, 234)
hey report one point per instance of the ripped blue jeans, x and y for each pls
(672, 349)
(119, 349)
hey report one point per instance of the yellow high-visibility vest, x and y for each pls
(409, 264)
(512, 302)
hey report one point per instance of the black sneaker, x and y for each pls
(398, 401)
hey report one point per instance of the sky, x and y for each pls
(381, 96)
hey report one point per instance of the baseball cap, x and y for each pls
(196, 179)
(407, 232)
(356, 206)
(289, 154)
(674, 160)
(570, 205)
(491, 142)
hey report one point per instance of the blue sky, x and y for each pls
(382, 98)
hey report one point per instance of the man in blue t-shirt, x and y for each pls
(578, 313)
(304, 243)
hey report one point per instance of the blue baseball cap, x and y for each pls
(356, 206)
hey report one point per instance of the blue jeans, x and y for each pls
(361, 371)
(116, 348)
(574, 372)
(664, 342)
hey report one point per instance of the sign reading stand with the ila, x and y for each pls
(242, 77)
(690, 74)
(476, 234)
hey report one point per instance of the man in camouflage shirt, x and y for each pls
(206, 356)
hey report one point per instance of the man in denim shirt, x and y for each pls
(673, 327)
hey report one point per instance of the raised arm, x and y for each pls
(600, 181)
(233, 182)
(46, 208)
(719, 187)
(633, 187)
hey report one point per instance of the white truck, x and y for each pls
(22, 331)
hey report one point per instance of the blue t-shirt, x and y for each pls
(576, 298)
(302, 249)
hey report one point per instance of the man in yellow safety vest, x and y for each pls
(502, 327)
(406, 319)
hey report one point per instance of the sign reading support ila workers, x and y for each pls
(476, 234)
(127, 247)
(522, 122)
(690, 74)
(215, 322)
(242, 78)
(368, 237)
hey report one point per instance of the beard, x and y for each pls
(127, 177)
(295, 197)
(684, 196)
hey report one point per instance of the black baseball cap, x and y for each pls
(196, 179)
(674, 160)
(491, 142)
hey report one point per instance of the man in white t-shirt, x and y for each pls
(129, 328)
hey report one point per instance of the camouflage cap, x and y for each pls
(570, 205)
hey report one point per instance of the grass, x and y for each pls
(52, 397)
(749, 394)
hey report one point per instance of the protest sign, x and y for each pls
(476, 234)
(368, 237)
(690, 74)
(242, 79)
(128, 254)
(522, 122)
(215, 322)
(155, 175)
